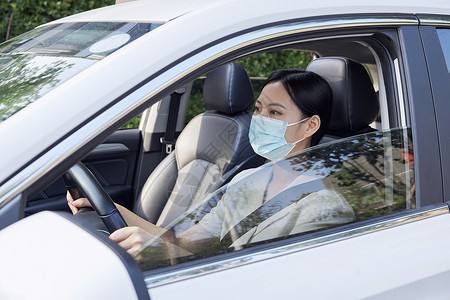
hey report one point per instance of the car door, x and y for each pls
(358, 258)
(113, 163)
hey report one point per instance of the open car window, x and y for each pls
(329, 185)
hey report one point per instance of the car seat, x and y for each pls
(211, 149)
(355, 103)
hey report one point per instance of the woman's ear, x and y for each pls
(312, 125)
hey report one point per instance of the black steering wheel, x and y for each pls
(81, 182)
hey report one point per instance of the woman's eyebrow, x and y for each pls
(272, 103)
(278, 105)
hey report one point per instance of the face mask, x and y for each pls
(266, 136)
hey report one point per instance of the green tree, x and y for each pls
(19, 16)
(259, 67)
(262, 64)
(22, 81)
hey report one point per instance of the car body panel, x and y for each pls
(345, 269)
(49, 236)
(154, 10)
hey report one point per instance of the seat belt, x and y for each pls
(169, 139)
(276, 204)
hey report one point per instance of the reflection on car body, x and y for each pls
(350, 172)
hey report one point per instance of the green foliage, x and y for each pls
(259, 67)
(18, 16)
(262, 64)
(355, 168)
(133, 123)
(196, 105)
(22, 81)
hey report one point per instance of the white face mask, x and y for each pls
(266, 136)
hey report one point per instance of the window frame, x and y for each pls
(403, 36)
(439, 84)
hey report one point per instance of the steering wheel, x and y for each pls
(81, 182)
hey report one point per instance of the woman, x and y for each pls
(291, 114)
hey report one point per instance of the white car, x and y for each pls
(68, 86)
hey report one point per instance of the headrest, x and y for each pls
(228, 89)
(355, 104)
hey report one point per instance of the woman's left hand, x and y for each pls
(75, 205)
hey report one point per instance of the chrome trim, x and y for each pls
(69, 146)
(189, 273)
(401, 100)
(435, 20)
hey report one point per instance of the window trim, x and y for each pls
(439, 83)
(159, 277)
(419, 104)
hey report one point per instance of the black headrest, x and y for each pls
(228, 89)
(355, 104)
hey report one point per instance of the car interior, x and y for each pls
(212, 148)
(134, 167)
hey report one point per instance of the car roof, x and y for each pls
(162, 11)
(158, 11)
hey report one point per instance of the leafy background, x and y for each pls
(18, 16)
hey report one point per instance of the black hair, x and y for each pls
(310, 92)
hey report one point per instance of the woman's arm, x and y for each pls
(130, 218)
(139, 230)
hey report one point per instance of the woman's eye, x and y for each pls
(257, 109)
(274, 112)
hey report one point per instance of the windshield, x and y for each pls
(328, 185)
(34, 63)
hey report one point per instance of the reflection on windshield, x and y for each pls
(34, 63)
(24, 79)
(349, 180)
(77, 39)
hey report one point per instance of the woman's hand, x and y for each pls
(74, 205)
(130, 238)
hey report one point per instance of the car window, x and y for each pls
(332, 184)
(258, 66)
(34, 63)
(444, 38)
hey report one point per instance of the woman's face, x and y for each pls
(274, 102)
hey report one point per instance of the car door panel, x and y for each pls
(113, 163)
(386, 264)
